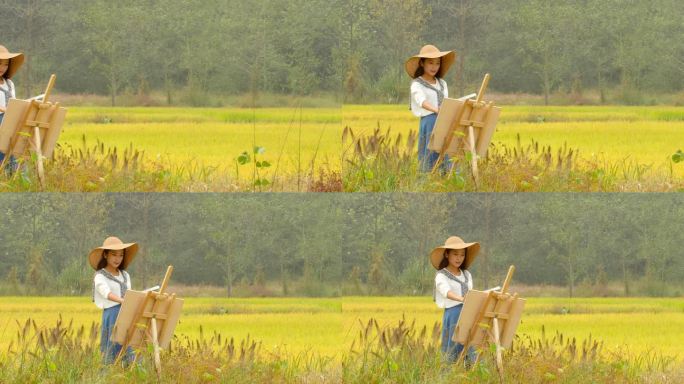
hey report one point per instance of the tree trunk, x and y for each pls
(229, 277)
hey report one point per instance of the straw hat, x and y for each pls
(113, 243)
(430, 52)
(455, 242)
(16, 60)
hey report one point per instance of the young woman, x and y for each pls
(9, 64)
(110, 284)
(452, 282)
(428, 90)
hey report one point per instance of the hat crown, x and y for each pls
(3, 49)
(453, 240)
(112, 240)
(428, 49)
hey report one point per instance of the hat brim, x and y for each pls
(130, 250)
(448, 58)
(16, 61)
(472, 249)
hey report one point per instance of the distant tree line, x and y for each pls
(353, 49)
(344, 244)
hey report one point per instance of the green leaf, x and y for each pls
(259, 150)
(263, 164)
(678, 156)
(243, 158)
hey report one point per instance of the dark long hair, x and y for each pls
(420, 70)
(103, 262)
(445, 261)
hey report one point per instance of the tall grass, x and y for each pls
(400, 353)
(353, 149)
(383, 162)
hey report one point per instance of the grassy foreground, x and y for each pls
(351, 339)
(608, 148)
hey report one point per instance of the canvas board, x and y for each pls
(130, 307)
(472, 306)
(453, 109)
(448, 112)
(14, 118)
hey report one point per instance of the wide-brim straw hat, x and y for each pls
(16, 60)
(113, 243)
(430, 52)
(455, 242)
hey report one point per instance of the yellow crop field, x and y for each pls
(329, 326)
(297, 140)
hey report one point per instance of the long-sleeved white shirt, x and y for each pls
(103, 286)
(7, 87)
(421, 93)
(444, 284)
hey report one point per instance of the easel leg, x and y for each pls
(155, 343)
(439, 161)
(39, 157)
(499, 360)
(473, 160)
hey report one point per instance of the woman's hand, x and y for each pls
(455, 297)
(114, 298)
(429, 107)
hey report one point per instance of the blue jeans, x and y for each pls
(450, 348)
(426, 157)
(109, 348)
(12, 165)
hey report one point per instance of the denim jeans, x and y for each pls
(11, 165)
(426, 157)
(109, 348)
(450, 348)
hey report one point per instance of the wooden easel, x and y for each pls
(146, 321)
(34, 123)
(488, 320)
(473, 116)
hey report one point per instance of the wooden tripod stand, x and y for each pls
(33, 124)
(474, 120)
(491, 316)
(148, 317)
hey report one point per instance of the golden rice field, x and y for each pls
(296, 139)
(328, 326)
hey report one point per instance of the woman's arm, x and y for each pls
(429, 107)
(103, 289)
(418, 95)
(114, 298)
(452, 296)
(442, 286)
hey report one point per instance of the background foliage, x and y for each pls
(342, 244)
(192, 50)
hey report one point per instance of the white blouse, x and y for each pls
(421, 93)
(103, 286)
(443, 284)
(5, 86)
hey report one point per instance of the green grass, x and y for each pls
(330, 325)
(196, 149)
(350, 340)
(646, 135)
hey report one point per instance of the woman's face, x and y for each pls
(456, 257)
(114, 258)
(431, 66)
(4, 64)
